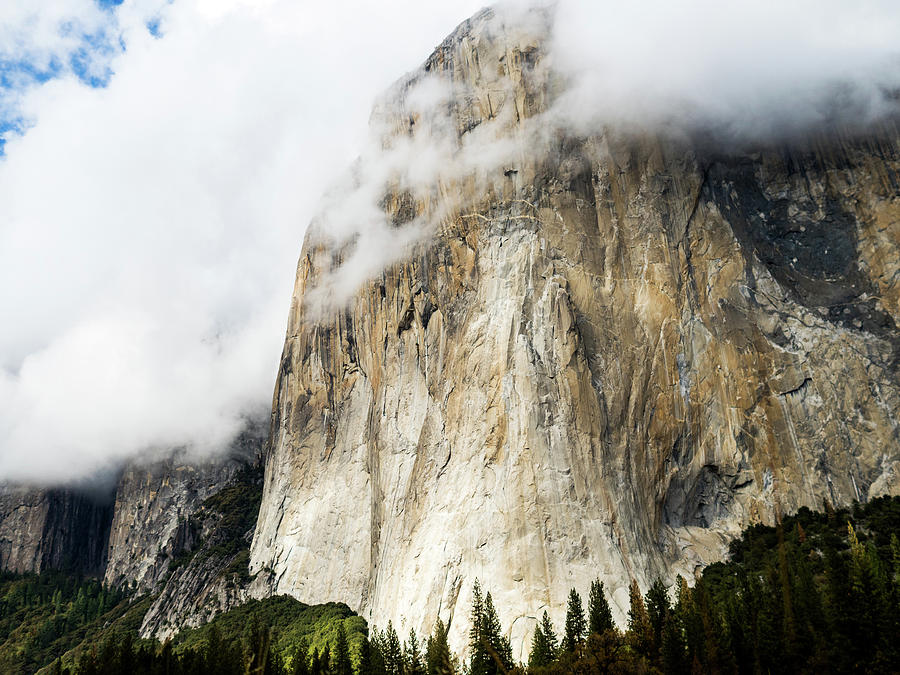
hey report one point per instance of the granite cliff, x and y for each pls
(597, 354)
(53, 529)
(614, 352)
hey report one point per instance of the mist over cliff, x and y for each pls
(534, 340)
(176, 240)
(595, 290)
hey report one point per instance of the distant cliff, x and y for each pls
(178, 528)
(626, 348)
(44, 529)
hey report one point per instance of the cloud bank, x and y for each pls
(737, 74)
(151, 228)
(747, 70)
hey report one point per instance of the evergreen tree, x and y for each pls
(716, 644)
(543, 644)
(325, 659)
(299, 661)
(673, 647)
(640, 632)
(489, 650)
(575, 623)
(340, 663)
(599, 613)
(895, 565)
(500, 650)
(479, 660)
(315, 663)
(392, 652)
(658, 609)
(364, 658)
(412, 656)
(437, 651)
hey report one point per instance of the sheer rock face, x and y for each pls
(629, 350)
(155, 502)
(210, 571)
(44, 529)
(151, 525)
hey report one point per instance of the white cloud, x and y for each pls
(750, 69)
(150, 230)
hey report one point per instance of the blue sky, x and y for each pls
(81, 42)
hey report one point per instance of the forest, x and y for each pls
(819, 593)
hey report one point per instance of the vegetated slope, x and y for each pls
(44, 616)
(819, 594)
(293, 624)
(109, 641)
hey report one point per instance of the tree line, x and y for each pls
(819, 593)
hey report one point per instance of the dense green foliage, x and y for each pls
(290, 621)
(259, 636)
(227, 517)
(43, 616)
(820, 593)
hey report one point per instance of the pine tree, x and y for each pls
(412, 656)
(895, 564)
(543, 644)
(500, 650)
(640, 632)
(392, 652)
(315, 663)
(575, 623)
(717, 652)
(364, 657)
(325, 659)
(489, 650)
(673, 647)
(437, 651)
(658, 609)
(479, 660)
(299, 661)
(340, 664)
(599, 613)
(377, 649)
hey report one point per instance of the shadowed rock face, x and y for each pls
(155, 518)
(624, 350)
(52, 529)
(155, 501)
(164, 540)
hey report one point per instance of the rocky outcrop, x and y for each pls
(154, 503)
(181, 531)
(53, 529)
(617, 351)
(178, 528)
(212, 575)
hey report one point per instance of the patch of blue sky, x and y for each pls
(89, 60)
(153, 25)
(17, 73)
